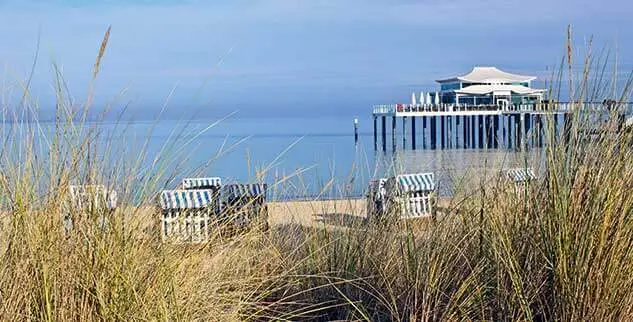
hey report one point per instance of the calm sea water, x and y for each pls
(299, 157)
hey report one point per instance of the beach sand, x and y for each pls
(342, 212)
(319, 213)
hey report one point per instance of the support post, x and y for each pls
(466, 122)
(496, 131)
(519, 132)
(423, 132)
(527, 126)
(433, 132)
(457, 131)
(540, 131)
(473, 135)
(413, 134)
(489, 132)
(449, 132)
(510, 131)
(355, 131)
(404, 132)
(384, 133)
(393, 133)
(442, 132)
(480, 128)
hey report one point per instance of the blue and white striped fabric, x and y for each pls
(186, 199)
(205, 183)
(521, 174)
(416, 182)
(245, 190)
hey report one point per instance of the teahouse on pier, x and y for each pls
(486, 108)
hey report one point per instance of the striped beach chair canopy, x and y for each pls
(521, 174)
(415, 182)
(186, 199)
(196, 183)
(245, 190)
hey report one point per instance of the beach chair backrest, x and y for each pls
(82, 196)
(186, 199)
(244, 191)
(411, 194)
(521, 175)
(409, 183)
(202, 183)
(187, 214)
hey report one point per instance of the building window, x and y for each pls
(449, 86)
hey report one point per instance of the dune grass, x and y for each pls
(561, 249)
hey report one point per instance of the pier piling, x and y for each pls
(480, 129)
(517, 128)
(423, 132)
(442, 132)
(404, 133)
(384, 134)
(393, 134)
(355, 131)
(413, 134)
(433, 133)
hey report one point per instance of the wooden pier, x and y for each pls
(448, 126)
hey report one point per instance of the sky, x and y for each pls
(289, 57)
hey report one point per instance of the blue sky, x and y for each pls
(290, 57)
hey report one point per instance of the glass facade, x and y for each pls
(450, 86)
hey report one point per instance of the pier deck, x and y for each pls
(450, 126)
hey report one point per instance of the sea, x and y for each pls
(305, 158)
(299, 158)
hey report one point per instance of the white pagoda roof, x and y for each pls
(498, 90)
(488, 75)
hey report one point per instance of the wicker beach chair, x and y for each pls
(521, 175)
(187, 215)
(411, 195)
(245, 204)
(376, 198)
(87, 200)
(520, 178)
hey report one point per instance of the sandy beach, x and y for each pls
(320, 213)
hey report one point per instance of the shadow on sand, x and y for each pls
(340, 219)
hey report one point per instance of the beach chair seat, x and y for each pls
(411, 195)
(187, 214)
(245, 204)
(213, 183)
(90, 200)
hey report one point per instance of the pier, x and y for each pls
(450, 126)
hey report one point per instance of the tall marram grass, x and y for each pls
(558, 249)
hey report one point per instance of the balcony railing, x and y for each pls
(538, 107)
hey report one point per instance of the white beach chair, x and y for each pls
(90, 199)
(411, 195)
(376, 198)
(187, 214)
(521, 177)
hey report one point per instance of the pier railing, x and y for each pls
(558, 107)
